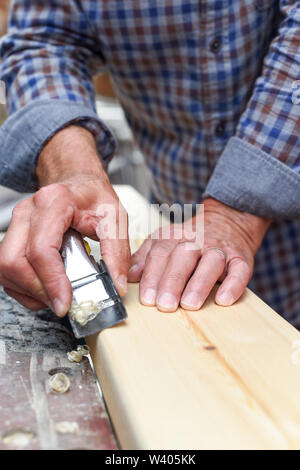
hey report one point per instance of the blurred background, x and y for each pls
(127, 167)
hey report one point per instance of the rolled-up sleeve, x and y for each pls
(49, 57)
(259, 169)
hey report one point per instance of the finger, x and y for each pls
(155, 265)
(14, 265)
(138, 260)
(180, 266)
(112, 231)
(116, 254)
(209, 270)
(7, 283)
(49, 221)
(235, 283)
(25, 300)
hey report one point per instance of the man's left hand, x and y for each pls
(174, 270)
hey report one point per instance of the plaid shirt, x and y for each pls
(209, 89)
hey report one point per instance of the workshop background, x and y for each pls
(127, 167)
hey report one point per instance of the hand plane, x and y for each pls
(96, 303)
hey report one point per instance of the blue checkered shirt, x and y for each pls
(210, 89)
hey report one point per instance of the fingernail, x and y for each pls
(58, 307)
(191, 300)
(149, 297)
(168, 301)
(225, 298)
(133, 268)
(122, 282)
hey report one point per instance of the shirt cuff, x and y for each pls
(25, 132)
(249, 179)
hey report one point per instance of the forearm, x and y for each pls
(71, 152)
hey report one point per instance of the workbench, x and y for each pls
(219, 378)
(34, 346)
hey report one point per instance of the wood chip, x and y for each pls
(59, 382)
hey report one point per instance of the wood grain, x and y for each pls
(219, 378)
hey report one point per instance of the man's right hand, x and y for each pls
(75, 191)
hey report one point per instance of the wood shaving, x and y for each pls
(84, 349)
(18, 438)
(59, 382)
(77, 355)
(67, 427)
(84, 312)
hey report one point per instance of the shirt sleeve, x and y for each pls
(259, 169)
(49, 56)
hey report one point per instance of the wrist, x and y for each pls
(69, 154)
(252, 227)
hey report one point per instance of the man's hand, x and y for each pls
(178, 271)
(75, 192)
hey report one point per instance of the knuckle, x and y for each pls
(20, 208)
(137, 258)
(240, 263)
(174, 277)
(46, 194)
(7, 262)
(187, 246)
(160, 250)
(216, 253)
(240, 269)
(200, 282)
(37, 292)
(35, 253)
(182, 246)
(150, 278)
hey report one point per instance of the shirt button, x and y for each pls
(220, 129)
(215, 44)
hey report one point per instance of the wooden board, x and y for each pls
(219, 378)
